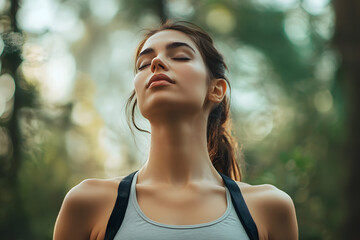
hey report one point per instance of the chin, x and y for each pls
(167, 109)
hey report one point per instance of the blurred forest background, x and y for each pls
(67, 70)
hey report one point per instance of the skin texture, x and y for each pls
(178, 184)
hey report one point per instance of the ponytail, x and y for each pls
(221, 144)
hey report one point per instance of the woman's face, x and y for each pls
(174, 54)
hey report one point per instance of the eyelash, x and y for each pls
(180, 58)
(140, 68)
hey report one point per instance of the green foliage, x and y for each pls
(301, 154)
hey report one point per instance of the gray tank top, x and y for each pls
(137, 226)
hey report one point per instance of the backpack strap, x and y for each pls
(241, 209)
(119, 209)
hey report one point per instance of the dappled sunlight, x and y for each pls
(180, 8)
(7, 90)
(115, 157)
(248, 100)
(37, 16)
(324, 23)
(323, 101)
(258, 125)
(58, 85)
(326, 66)
(52, 69)
(281, 5)
(148, 20)
(77, 146)
(220, 19)
(82, 115)
(315, 7)
(67, 98)
(105, 11)
(296, 27)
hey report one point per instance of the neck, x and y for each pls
(178, 155)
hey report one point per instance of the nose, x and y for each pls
(157, 64)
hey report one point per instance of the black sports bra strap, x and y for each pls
(118, 213)
(241, 209)
(122, 200)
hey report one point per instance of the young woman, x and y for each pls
(190, 185)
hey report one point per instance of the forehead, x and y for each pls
(161, 38)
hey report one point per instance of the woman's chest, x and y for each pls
(181, 207)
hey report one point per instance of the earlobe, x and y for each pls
(218, 90)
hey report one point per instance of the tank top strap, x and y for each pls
(118, 213)
(241, 209)
(122, 199)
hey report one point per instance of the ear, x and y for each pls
(217, 90)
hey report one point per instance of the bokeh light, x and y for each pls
(67, 98)
(220, 19)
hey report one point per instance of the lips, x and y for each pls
(158, 77)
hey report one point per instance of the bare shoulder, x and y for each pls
(272, 209)
(86, 208)
(266, 194)
(91, 188)
(91, 191)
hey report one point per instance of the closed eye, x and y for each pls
(181, 58)
(143, 66)
(178, 58)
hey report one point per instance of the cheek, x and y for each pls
(195, 78)
(139, 87)
(139, 84)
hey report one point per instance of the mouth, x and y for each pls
(161, 78)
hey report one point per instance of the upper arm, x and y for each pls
(76, 214)
(280, 215)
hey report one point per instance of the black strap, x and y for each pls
(122, 200)
(241, 209)
(121, 203)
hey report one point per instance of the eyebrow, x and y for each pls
(168, 46)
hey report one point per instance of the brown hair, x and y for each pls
(220, 142)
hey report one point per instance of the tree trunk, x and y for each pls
(347, 42)
(14, 213)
